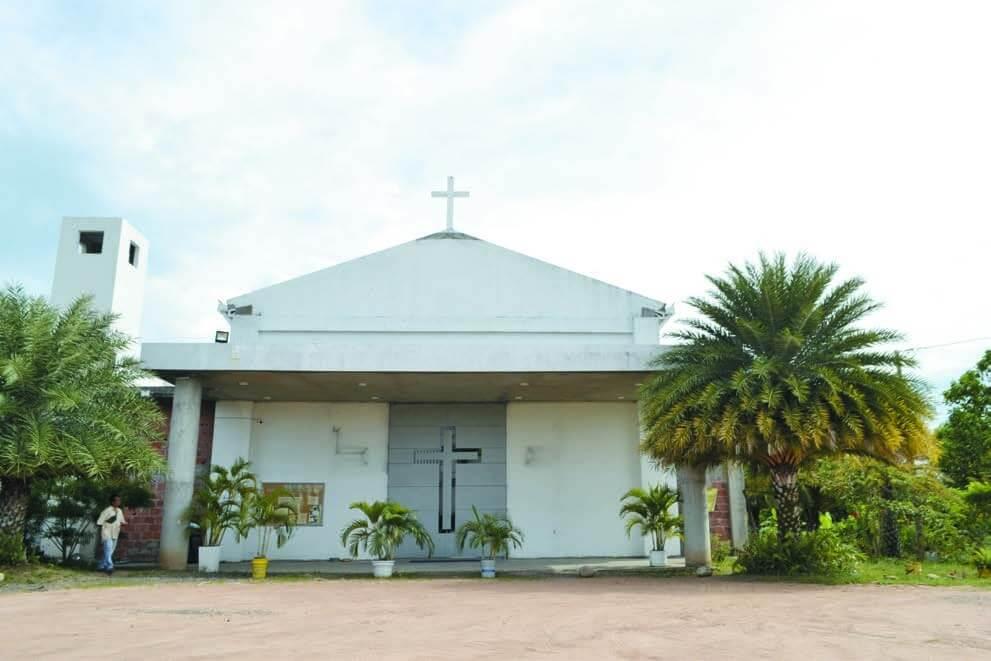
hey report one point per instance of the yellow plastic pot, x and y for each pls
(259, 568)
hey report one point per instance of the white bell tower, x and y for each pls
(108, 259)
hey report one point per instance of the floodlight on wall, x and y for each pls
(222, 337)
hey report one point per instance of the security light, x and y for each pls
(221, 337)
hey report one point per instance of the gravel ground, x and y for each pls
(602, 617)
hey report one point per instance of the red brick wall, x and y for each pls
(719, 521)
(139, 539)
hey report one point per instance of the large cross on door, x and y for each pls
(447, 459)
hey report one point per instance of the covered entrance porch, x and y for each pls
(568, 451)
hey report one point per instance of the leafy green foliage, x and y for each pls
(719, 548)
(11, 548)
(273, 514)
(216, 505)
(982, 559)
(382, 531)
(776, 371)
(67, 507)
(492, 534)
(931, 516)
(978, 496)
(817, 553)
(965, 437)
(68, 405)
(650, 510)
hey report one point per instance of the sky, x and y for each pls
(643, 143)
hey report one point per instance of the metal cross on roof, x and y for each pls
(450, 194)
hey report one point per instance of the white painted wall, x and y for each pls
(445, 290)
(115, 285)
(294, 442)
(568, 464)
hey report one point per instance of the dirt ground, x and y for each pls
(602, 617)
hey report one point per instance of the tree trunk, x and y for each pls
(14, 495)
(784, 481)
(891, 540)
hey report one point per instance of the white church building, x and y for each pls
(444, 373)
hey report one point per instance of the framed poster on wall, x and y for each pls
(307, 497)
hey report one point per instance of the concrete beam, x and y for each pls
(183, 436)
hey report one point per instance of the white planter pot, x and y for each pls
(658, 558)
(488, 568)
(209, 559)
(382, 568)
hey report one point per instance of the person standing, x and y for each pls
(110, 521)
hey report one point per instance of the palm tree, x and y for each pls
(650, 510)
(491, 534)
(776, 372)
(274, 513)
(215, 508)
(385, 526)
(68, 403)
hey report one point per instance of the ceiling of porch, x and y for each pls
(421, 387)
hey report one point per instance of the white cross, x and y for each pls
(450, 194)
(447, 458)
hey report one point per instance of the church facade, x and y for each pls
(445, 373)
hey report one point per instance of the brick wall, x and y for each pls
(139, 539)
(719, 521)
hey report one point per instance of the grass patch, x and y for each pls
(880, 572)
(39, 576)
(42, 576)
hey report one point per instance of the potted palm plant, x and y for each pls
(380, 533)
(215, 507)
(492, 535)
(274, 515)
(649, 510)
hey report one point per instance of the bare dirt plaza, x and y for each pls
(603, 617)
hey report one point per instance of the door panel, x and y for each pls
(443, 459)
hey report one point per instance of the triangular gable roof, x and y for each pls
(448, 275)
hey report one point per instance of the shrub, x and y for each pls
(821, 553)
(982, 561)
(927, 515)
(719, 548)
(11, 549)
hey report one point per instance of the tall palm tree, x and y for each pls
(68, 403)
(775, 371)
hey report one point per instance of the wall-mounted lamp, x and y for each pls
(221, 337)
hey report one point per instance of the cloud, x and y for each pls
(643, 143)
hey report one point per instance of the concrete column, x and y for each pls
(737, 506)
(184, 431)
(691, 484)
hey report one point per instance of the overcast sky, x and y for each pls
(645, 144)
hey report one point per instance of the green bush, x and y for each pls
(982, 559)
(11, 550)
(719, 548)
(820, 553)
